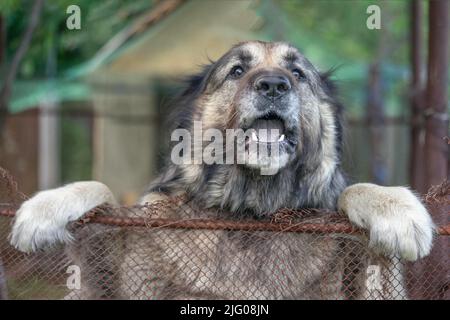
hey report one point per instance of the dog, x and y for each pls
(255, 86)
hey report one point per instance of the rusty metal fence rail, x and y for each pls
(134, 253)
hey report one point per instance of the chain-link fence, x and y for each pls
(172, 250)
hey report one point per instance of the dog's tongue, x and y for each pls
(268, 130)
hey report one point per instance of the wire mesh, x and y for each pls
(173, 250)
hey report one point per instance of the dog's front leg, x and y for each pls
(41, 221)
(397, 221)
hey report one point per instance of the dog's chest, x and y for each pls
(259, 265)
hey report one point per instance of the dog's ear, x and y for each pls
(195, 84)
(329, 84)
(181, 110)
(332, 91)
(331, 88)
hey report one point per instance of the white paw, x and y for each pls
(41, 221)
(397, 221)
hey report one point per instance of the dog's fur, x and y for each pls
(310, 176)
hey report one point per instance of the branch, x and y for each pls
(161, 10)
(11, 74)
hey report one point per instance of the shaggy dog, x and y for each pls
(256, 87)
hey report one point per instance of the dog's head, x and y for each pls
(275, 96)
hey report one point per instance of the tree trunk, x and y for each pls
(436, 147)
(427, 278)
(5, 92)
(376, 117)
(2, 40)
(375, 105)
(416, 165)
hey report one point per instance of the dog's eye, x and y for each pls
(298, 74)
(237, 71)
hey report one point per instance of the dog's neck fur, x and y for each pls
(244, 192)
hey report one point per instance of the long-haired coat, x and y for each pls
(255, 86)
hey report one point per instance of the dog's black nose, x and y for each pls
(272, 86)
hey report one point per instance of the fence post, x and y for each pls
(425, 280)
(436, 147)
(416, 165)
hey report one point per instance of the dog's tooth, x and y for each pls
(282, 137)
(254, 136)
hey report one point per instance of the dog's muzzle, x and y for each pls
(272, 85)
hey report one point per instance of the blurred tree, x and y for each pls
(100, 20)
(377, 121)
(329, 32)
(435, 150)
(11, 72)
(342, 26)
(416, 166)
(436, 146)
(375, 102)
(2, 38)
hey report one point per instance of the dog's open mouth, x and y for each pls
(268, 129)
(267, 144)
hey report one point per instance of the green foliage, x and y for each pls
(8, 6)
(330, 32)
(100, 20)
(342, 26)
